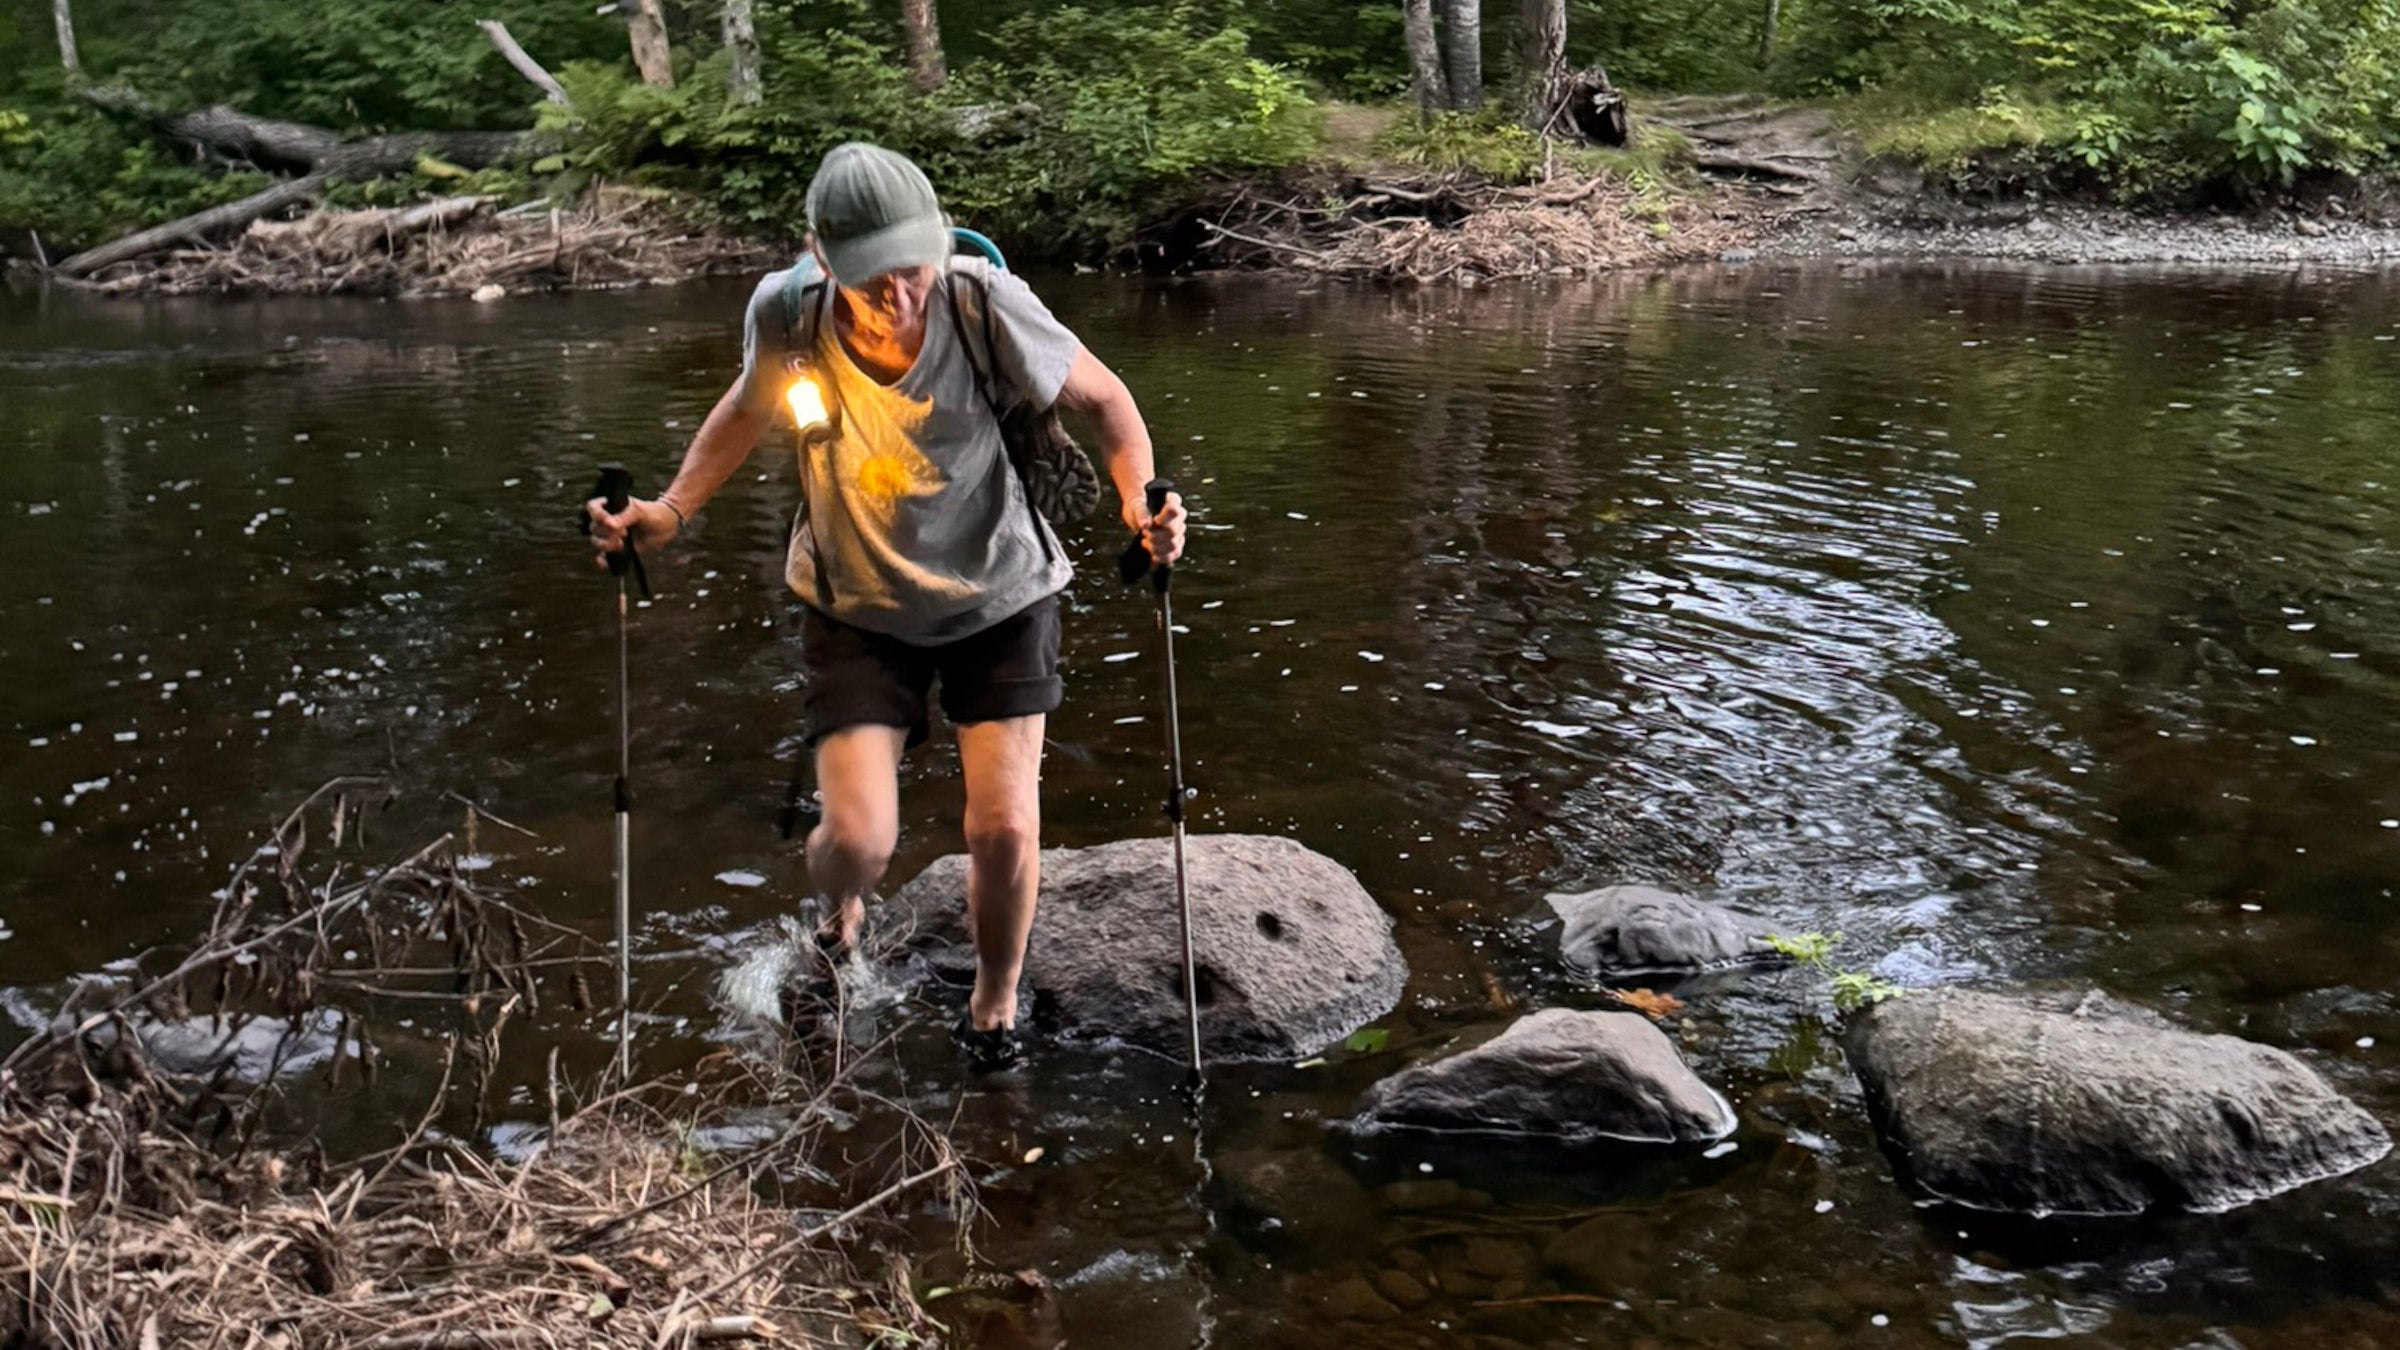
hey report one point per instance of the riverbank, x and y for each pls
(1707, 179)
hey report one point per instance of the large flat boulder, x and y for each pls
(2045, 1105)
(1293, 954)
(1576, 1077)
(1627, 930)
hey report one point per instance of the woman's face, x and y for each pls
(892, 304)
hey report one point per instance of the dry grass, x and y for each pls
(139, 1207)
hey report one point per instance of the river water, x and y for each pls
(2028, 626)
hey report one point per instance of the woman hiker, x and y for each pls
(920, 559)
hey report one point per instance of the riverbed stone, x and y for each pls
(1295, 1197)
(1402, 1289)
(1623, 930)
(1561, 1074)
(2082, 1105)
(1354, 1299)
(1293, 954)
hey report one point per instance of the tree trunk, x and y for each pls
(1462, 23)
(926, 68)
(1542, 61)
(1425, 82)
(1766, 35)
(62, 12)
(741, 43)
(648, 27)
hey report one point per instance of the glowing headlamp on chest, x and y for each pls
(811, 414)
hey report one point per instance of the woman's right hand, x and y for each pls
(652, 525)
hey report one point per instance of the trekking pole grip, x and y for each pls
(1154, 496)
(615, 489)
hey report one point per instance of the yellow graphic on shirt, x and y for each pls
(877, 461)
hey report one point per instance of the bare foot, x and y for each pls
(839, 934)
(990, 1014)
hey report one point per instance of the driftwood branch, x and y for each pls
(524, 63)
(321, 156)
(197, 227)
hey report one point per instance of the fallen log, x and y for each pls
(324, 157)
(197, 227)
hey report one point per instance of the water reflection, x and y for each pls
(2021, 622)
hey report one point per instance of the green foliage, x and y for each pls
(1115, 112)
(1658, 165)
(1808, 949)
(1082, 122)
(1689, 46)
(1850, 990)
(349, 64)
(2150, 95)
(1997, 122)
(76, 177)
(1489, 143)
(1367, 1040)
(1854, 991)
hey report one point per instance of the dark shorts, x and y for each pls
(859, 678)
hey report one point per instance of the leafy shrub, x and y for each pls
(77, 178)
(1691, 46)
(1083, 122)
(2157, 95)
(1116, 111)
(1489, 143)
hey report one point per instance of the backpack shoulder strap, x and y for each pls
(968, 290)
(803, 300)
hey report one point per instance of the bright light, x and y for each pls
(808, 404)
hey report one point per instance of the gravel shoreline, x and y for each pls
(2076, 235)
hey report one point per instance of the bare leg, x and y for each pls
(858, 780)
(1003, 763)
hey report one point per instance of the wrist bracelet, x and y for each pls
(680, 523)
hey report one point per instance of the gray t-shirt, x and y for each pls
(914, 524)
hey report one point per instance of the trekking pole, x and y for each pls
(1130, 566)
(615, 489)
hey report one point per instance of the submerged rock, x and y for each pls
(1577, 1077)
(1641, 929)
(248, 1049)
(1294, 1197)
(2043, 1105)
(1293, 954)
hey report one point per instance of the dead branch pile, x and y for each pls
(139, 1206)
(1464, 230)
(452, 246)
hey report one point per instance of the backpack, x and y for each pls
(1060, 482)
